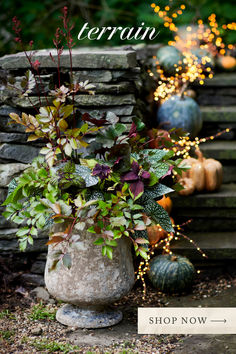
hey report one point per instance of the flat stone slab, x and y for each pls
(229, 175)
(10, 171)
(211, 344)
(226, 213)
(82, 58)
(126, 110)
(12, 137)
(225, 114)
(220, 150)
(123, 332)
(224, 198)
(102, 75)
(115, 88)
(13, 246)
(20, 153)
(105, 100)
(38, 85)
(8, 234)
(5, 110)
(93, 75)
(213, 223)
(216, 97)
(96, 100)
(28, 102)
(221, 80)
(216, 245)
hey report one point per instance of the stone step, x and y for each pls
(220, 80)
(216, 96)
(229, 174)
(216, 245)
(204, 213)
(224, 198)
(213, 114)
(220, 150)
(205, 223)
(219, 91)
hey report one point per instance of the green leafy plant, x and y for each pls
(6, 314)
(7, 334)
(45, 344)
(40, 312)
(107, 185)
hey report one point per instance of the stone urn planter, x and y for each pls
(92, 283)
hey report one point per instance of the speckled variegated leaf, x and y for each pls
(12, 186)
(86, 174)
(141, 234)
(160, 169)
(96, 195)
(157, 191)
(154, 155)
(158, 214)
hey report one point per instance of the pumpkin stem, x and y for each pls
(173, 259)
(184, 87)
(199, 154)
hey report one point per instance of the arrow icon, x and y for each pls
(224, 321)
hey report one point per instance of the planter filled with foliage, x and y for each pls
(94, 198)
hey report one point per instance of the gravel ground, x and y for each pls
(28, 326)
(23, 330)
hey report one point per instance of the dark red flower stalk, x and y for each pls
(36, 64)
(70, 44)
(59, 48)
(17, 29)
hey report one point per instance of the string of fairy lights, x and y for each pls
(184, 145)
(165, 245)
(230, 26)
(192, 67)
(181, 148)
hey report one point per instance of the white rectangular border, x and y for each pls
(187, 320)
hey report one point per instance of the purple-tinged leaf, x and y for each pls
(137, 188)
(145, 175)
(168, 173)
(130, 176)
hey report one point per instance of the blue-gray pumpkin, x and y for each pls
(168, 58)
(180, 112)
(171, 273)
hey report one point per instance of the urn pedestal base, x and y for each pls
(91, 317)
(92, 283)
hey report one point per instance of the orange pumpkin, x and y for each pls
(227, 62)
(157, 233)
(166, 203)
(206, 174)
(188, 185)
